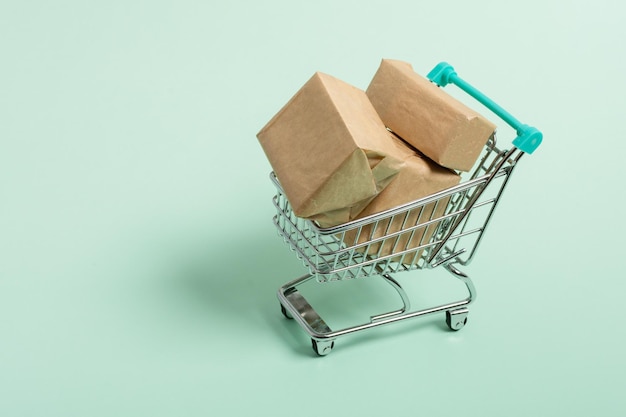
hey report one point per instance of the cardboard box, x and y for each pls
(418, 111)
(328, 148)
(419, 177)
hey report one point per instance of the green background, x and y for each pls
(138, 260)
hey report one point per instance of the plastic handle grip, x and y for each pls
(528, 138)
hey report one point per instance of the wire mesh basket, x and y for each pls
(419, 234)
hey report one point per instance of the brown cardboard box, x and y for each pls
(328, 148)
(418, 111)
(419, 177)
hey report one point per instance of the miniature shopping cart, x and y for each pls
(443, 229)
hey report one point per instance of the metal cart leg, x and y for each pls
(406, 304)
(295, 306)
(456, 318)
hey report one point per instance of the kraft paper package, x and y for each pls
(337, 161)
(329, 151)
(441, 127)
(419, 177)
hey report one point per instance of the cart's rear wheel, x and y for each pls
(285, 312)
(322, 348)
(456, 319)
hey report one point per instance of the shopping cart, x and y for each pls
(440, 230)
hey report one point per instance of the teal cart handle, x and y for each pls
(528, 138)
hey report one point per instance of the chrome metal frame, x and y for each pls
(443, 229)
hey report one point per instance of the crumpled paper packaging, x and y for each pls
(424, 115)
(419, 177)
(328, 149)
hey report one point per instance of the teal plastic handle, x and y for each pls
(528, 138)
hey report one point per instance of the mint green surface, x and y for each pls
(139, 264)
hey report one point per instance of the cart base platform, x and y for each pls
(295, 306)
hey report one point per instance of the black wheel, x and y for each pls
(285, 312)
(456, 322)
(322, 348)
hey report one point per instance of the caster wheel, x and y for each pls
(322, 348)
(456, 319)
(285, 312)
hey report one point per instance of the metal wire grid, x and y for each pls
(423, 233)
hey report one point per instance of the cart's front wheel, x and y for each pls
(322, 347)
(285, 312)
(456, 319)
